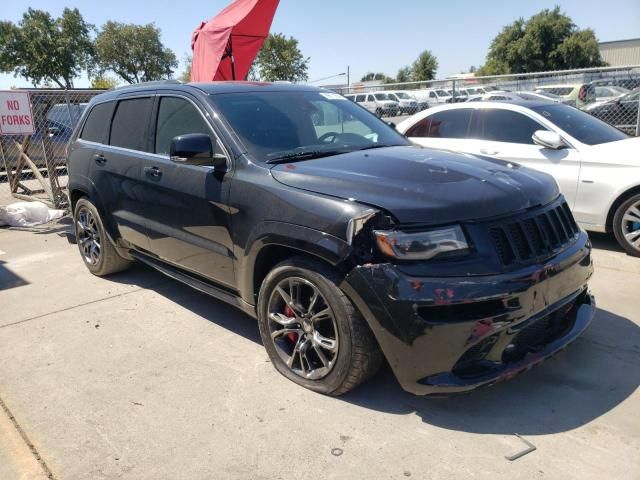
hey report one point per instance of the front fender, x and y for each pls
(330, 249)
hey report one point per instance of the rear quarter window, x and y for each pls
(129, 125)
(97, 124)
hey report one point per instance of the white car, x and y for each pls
(433, 96)
(609, 92)
(378, 103)
(596, 166)
(406, 102)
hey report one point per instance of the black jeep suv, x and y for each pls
(348, 244)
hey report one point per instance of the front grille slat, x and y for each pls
(534, 236)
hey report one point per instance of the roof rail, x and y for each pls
(150, 84)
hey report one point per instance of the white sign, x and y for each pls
(15, 113)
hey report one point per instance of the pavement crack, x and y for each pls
(25, 438)
(70, 308)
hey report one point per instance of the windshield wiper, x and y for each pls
(306, 155)
(380, 145)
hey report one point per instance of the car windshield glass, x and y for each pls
(382, 96)
(581, 126)
(403, 96)
(442, 93)
(278, 124)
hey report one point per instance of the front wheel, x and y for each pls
(626, 225)
(312, 333)
(379, 112)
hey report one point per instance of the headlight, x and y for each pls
(421, 245)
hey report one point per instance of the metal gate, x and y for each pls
(33, 167)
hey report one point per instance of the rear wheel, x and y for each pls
(626, 225)
(96, 249)
(379, 112)
(312, 333)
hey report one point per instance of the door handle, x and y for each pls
(486, 151)
(153, 171)
(100, 159)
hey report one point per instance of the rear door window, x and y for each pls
(504, 126)
(449, 124)
(360, 98)
(129, 125)
(97, 124)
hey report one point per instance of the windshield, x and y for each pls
(403, 96)
(382, 96)
(278, 124)
(442, 93)
(581, 126)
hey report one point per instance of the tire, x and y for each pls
(625, 228)
(358, 356)
(379, 112)
(102, 259)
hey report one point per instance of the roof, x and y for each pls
(209, 88)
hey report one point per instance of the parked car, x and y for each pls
(406, 102)
(596, 166)
(458, 95)
(346, 243)
(610, 92)
(621, 112)
(49, 139)
(433, 96)
(378, 103)
(536, 96)
(581, 93)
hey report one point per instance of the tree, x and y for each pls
(425, 67)
(102, 82)
(280, 58)
(405, 74)
(134, 52)
(370, 76)
(547, 41)
(43, 49)
(185, 76)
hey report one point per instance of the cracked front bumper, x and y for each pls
(453, 334)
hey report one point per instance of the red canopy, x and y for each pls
(229, 42)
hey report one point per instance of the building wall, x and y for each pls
(621, 52)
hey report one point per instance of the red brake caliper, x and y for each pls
(292, 336)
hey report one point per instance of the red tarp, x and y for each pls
(239, 30)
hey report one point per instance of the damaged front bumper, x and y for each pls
(453, 334)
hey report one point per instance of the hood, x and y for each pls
(422, 185)
(622, 152)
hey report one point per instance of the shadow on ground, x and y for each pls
(587, 380)
(605, 241)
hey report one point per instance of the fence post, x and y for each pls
(638, 120)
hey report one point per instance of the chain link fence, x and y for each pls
(33, 167)
(610, 93)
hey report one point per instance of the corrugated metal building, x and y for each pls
(621, 52)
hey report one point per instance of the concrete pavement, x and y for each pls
(138, 376)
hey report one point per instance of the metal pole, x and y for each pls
(348, 81)
(638, 120)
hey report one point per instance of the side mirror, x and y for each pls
(54, 131)
(392, 125)
(548, 139)
(196, 149)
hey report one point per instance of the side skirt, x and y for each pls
(210, 288)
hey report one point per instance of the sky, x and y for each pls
(366, 35)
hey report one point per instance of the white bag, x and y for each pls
(27, 214)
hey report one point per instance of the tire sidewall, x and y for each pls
(617, 225)
(340, 370)
(86, 204)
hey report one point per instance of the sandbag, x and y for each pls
(27, 214)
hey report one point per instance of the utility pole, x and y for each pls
(348, 82)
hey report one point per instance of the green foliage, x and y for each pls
(102, 82)
(404, 75)
(134, 52)
(425, 67)
(547, 41)
(280, 58)
(185, 76)
(43, 49)
(370, 76)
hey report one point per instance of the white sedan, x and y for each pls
(596, 166)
